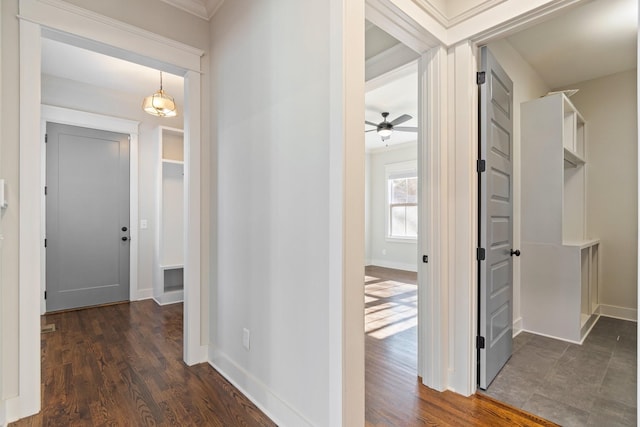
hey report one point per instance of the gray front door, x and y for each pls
(496, 219)
(87, 217)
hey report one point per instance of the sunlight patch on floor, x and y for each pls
(390, 307)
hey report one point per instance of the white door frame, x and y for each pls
(66, 116)
(95, 32)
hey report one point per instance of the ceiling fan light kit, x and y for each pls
(386, 128)
(160, 103)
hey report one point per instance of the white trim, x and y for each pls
(433, 277)
(390, 61)
(66, 116)
(194, 351)
(138, 46)
(144, 294)
(28, 401)
(204, 9)
(346, 213)
(448, 21)
(517, 326)
(463, 213)
(115, 37)
(392, 264)
(400, 20)
(616, 312)
(279, 411)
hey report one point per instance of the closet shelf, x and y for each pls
(582, 244)
(174, 162)
(571, 159)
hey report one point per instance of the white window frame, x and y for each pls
(391, 169)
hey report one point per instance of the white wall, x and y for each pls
(609, 107)
(380, 250)
(270, 88)
(9, 217)
(80, 96)
(527, 85)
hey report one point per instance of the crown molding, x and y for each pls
(203, 9)
(448, 21)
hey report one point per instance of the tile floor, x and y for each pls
(589, 385)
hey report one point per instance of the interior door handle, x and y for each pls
(125, 238)
(516, 252)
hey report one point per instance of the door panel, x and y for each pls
(496, 219)
(87, 217)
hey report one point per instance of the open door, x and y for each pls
(495, 325)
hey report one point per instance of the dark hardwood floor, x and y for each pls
(121, 365)
(394, 396)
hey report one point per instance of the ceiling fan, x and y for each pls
(386, 128)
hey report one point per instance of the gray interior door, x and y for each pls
(87, 217)
(496, 220)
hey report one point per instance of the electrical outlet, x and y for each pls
(143, 224)
(246, 338)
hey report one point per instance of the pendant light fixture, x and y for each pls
(160, 103)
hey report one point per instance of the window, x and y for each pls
(402, 201)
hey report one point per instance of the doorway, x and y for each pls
(571, 198)
(49, 21)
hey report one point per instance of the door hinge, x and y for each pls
(45, 294)
(425, 258)
(45, 243)
(479, 342)
(45, 190)
(481, 166)
(46, 138)
(481, 77)
(480, 254)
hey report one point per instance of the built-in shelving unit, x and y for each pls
(169, 280)
(560, 267)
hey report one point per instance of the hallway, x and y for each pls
(121, 365)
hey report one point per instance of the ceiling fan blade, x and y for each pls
(370, 130)
(370, 123)
(403, 118)
(406, 128)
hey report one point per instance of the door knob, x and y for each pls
(124, 228)
(125, 238)
(516, 252)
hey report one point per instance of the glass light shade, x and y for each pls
(385, 133)
(160, 104)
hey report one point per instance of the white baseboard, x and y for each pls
(394, 264)
(144, 294)
(517, 326)
(623, 313)
(280, 412)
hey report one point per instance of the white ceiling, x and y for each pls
(595, 39)
(587, 42)
(85, 66)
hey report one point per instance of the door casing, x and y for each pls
(71, 117)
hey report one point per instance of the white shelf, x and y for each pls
(173, 162)
(560, 264)
(571, 159)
